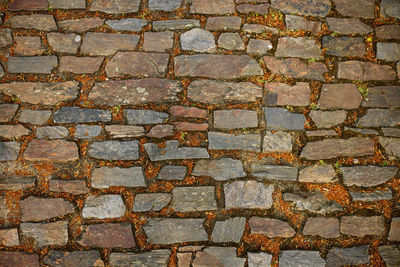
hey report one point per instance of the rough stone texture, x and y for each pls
(230, 230)
(172, 172)
(46, 234)
(157, 257)
(188, 126)
(313, 202)
(318, 174)
(105, 44)
(362, 226)
(300, 23)
(297, 47)
(230, 41)
(248, 195)
(124, 131)
(173, 151)
(9, 151)
(78, 115)
(114, 150)
(347, 256)
(391, 132)
(259, 259)
(348, 26)
(18, 259)
(223, 23)
(198, 40)
(170, 230)
(300, 258)
(376, 195)
(37, 117)
(161, 131)
(199, 198)
(339, 96)
(80, 25)
(36, 64)
(390, 8)
(105, 177)
(107, 235)
(131, 24)
(9, 238)
(272, 172)
(246, 142)
(137, 116)
(391, 145)
(188, 112)
(390, 255)
(39, 22)
(344, 46)
(64, 43)
(151, 202)
(235, 118)
(7, 112)
(277, 142)
(259, 47)
(39, 209)
(367, 175)
(324, 227)
(15, 183)
(388, 51)
(51, 132)
(183, 24)
(89, 258)
(388, 32)
(212, 6)
(362, 131)
(104, 207)
(383, 97)
(158, 41)
(365, 71)
(321, 133)
(28, 45)
(258, 29)
(220, 170)
(13, 131)
(317, 8)
(270, 227)
(394, 234)
(80, 65)
(216, 66)
(380, 117)
(218, 256)
(18, 5)
(282, 119)
(56, 151)
(362, 8)
(5, 37)
(115, 7)
(74, 187)
(283, 94)
(261, 9)
(87, 131)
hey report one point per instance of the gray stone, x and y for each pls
(27, 45)
(316, 8)
(300, 23)
(78, 115)
(39, 209)
(151, 202)
(220, 170)
(46, 234)
(13, 131)
(89, 258)
(173, 151)
(283, 94)
(64, 42)
(348, 26)
(362, 8)
(7, 112)
(344, 46)
(367, 175)
(380, 117)
(347, 256)
(157, 257)
(391, 145)
(131, 24)
(362, 225)
(259, 259)
(106, 177)
(324, 227)
(321, 133)
(39, 22)
(388, 32)
(230, 230)
(297, 47)
(299, 258)
(124, 131)
(198, 40)
(318, 174)
(19, 259)
(391, 132)
(163, 5)
(54, 151)
(361, 131)
(270, 227)
(115, 7)
(282, 119)
(74, 187)
(390, 8)
(390, 255)
(15, 183)
(212, 6)
(258, 29)
(248, 195)
(376, 195)
(365, 71)
(161, 131)
(313, 202)
(230, 23)
(230, 41)
(34, 116)
(80, 25)
(218, 256)
(171, 230)
(114, 150)
(106, 44)
(104, 207)
(383, 97)
(87, 131)
(246, 142)
(51, 132)
(182, 24)
(258, 47)
(261, 9)
(199, 198)
(327, 119)
(235, 118)
(172, 172)
(37, 64)
(272, 172)
(5, 37)
(9, 238)
(278, 142)
(158, 41)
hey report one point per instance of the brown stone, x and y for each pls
(365, 71)
(327, 119)
(270, 227)
(235, 118)
(388, 32)
(300, 23)
(106, 44)
(160, 131)
(7, 112)
(57, 151)
(28, 46)
(362, 226)
(282, 94)
(16, 183)
(115, 7)
(321, 133)
(110, 235)
(230, 23)
(13, 131)
(36, 64)
(348, 26)
(318, 174)
(316, 8)
(324, 227)
(9, 237)
(64, 42)
(188, 112)
(344, 46)
(394, 234)
(158, 41)
(38, 209)
(297, 47)
(138, 64)
(383, 97)
(391, 146)
(80, 25)
(361, 8)
(189, 126)
(39, 22)
(122, 131)
(5, 37)
(89, 258)
(32, 5)
(339, 96)
(46, 234)
(261, 9)
(69, 186)
(18, 259)
(212, 6)
(80, 65)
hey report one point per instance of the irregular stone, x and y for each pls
(261, 9)
(130, 24)
(172, 172)
(51, 132)
(216, 92)
(188, 126)
(220, 170)
(9, 151)
(157, 257)
(66, 43)
(283, 94)
(7, 111)
(391, 145)
(390, 8)
(230, 230)
(137, 116)
(383, 97)
(300, 258)
(300, 23)
(388, 51)
(316, 8)
(391, 132)
(347, 256)
(188, 112)
(259, 259)
(295, 68)
(5, 210)
(198, 40)
(138, 64)
(39, 209)
(259, 47)
(365, 71)
(36, 64)
(57, 151)
(182, 24)
(388, 32)
(40, 22)
(80, 25)
(9, 238)
(80, 65)
(218, 256)
(376, 195)
(89, 258)
(173, 151)
(19, 259)
(318, 174)
(248, 195)
(115, 7)
(115, 150)
(321, 133)
(18, 5)
(107, 235)
(272, 172)
(124, 131)
(135, 92)
(230, 23)
(258, 29)
(75, 187)
(230, 41)
(161, 131)
(390, 254)
(104, 207)
(184, 259)
(324, 227)
(344, 46)
(348, 26)
(106, 177)
(279, 142)
(87, 131)
(78, 115)
(28, 46)
(212, 6)
(235, 118)
(339, 96)
(297, 47)
(37, 117)
(16, 183)
(42, 93)
(362, 8)
(313, 202)
(164, 5)
(246, 142)
(362, 226)
(151, 202)
(198, 198)
(270, 227)
(282, 119)
(216, 66)
(171, 230)
(327, 119)
(158, 41)
(105, 44)
(13, 131)
(380, 117)
(46, 234)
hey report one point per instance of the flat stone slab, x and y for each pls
(80, 65)
(348, 26)
(158, 41)
(361, 225)
(391, 146)
(299, 23)
(9, 258)
(80, 25)
(272, 172)
(270, 227)
(223, 256)
(314, 202)
(324, 227)
(150, 202)
(46, 234)
(131, 24)
(246, 142)
(87, 131)
(15, 183)
(9, 238)
(248, 195)
(235, 118)
(259, 259)
(390, 255)
(318, 174)
(78, 115)
(365, 71)
(198, 40)
(39, 209)
(316, 8)
(106, 44)
(282, 119)
(115, 7)
(37, 64)
(200, 198)
(51, 132)
(230, 230)
(57, 151)
(376, 195)
(107, 235)
(172, 172)
(182, 24)
(212, 6)
(124, 131)
(40, 22)
(7, 111)
(104, 207)
(362, 8)
(87, 258)
(13, 131)
(388, 32)
(106, 177)
(367, 175)
(344, 46)
(220, 170)
(173, 151)
(339, 96)
(114, 150)
(301, 258)
(282, 94)
(297, 47)
(157, 257)
(18, 5)
(383, 97)
(223, 23)
(9, 151)
(277, 142)
(380, 117)
(390, 8)
(74, 187)
(388, 51)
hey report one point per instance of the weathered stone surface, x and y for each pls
(13, 131)
(80, 25)
(235, 118)
(157, 257)
(39, 209)
(56, 151)
(282, 119)
(230, 230)
(362, 226)
(390, 8)
(258, 29)
(172, 172)
(367, 175)
(87, 131)
(313, 202)
(327, 119)
(270, 227)
(188, 112)
(164, 5)
(321, 133)
(39, 22)
(158, 41)
(198, 198)
(115, 7)
(391, 145)
(344, 46)
(107, 235)
(42, 93)
(151, 202)
(131, 24)
(46, 234)
(297, 47)
(34, 116)
(138, 64)
(383, 97)
(230, 41)
(7, 111)
(283, 94)
(36, 64)
(9, 151)
(161, 131)
(18, 5)
(75, 187)
(380, 117)
(246, 142)
(28, 45)
(18, 259)
(182, 24)
(89, 258)
(362, 8)
(300, 258)
(198, 40)
(212, 6)
(218, 256)
(317, 8)
(223, 23)
(347, 256)
(114, 150)
(15, 183)
(78, 115)
(216, 66)
(365, 71)
(216, 92)
(300, 23)
(248, 195)
(5, 37)
(105, 44)
(376, 195)
(170, 230)
(390, 255)
(4, 208)
(66, 43)
(123, 131)
(106, 177)
(9, 238)
(259, 259)
(272, 172)
(259, 47)
(173, 151)
(388, 51)
(80, 65)
(134, 92)
(103, 207)
(332, 148)
(348, 26)
(142, 116)
(391, 132)
(388, 32)
(279, 141)
(188, 126)
(51, 132)
(220, 170)
(339, 96)
(295, 68)
(318, 174)
(261, 9)
(324, 227)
